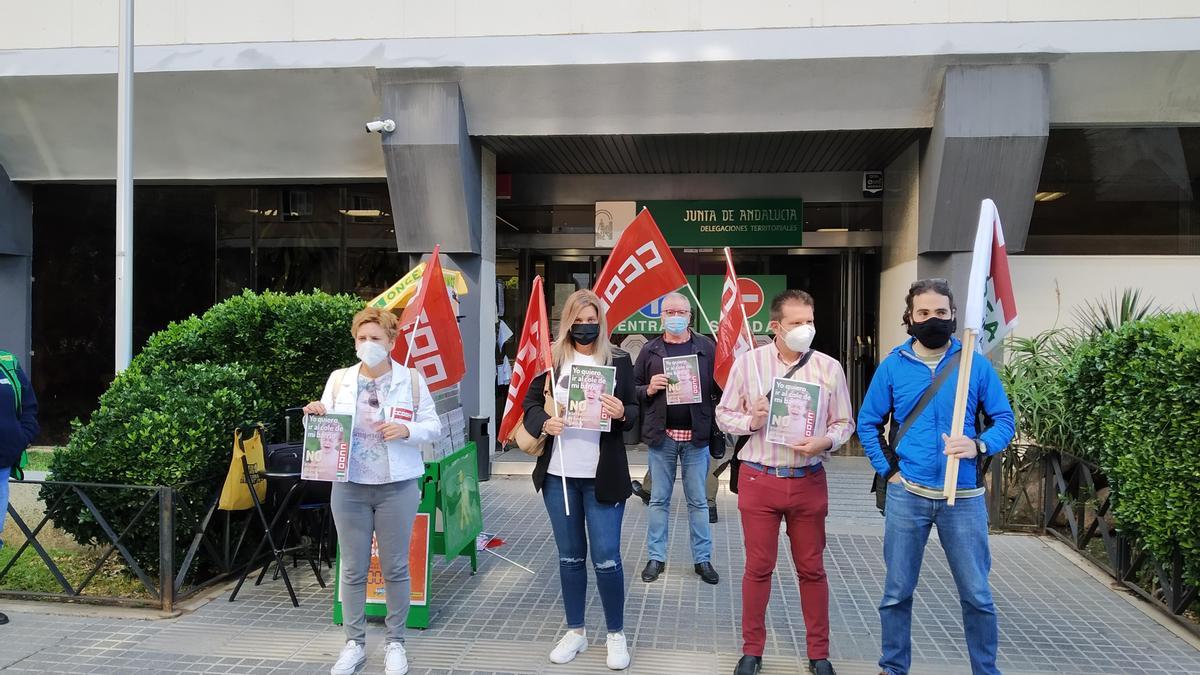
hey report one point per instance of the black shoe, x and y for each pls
(707, 573)
(748, 665)
(3, 618)
(641, 492)
(821, 667)
(712, 514)
(653, 569)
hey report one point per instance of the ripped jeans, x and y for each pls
(603, 522)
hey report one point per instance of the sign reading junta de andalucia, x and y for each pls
(709, 223)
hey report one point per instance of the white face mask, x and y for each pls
(371, 353)
(800, 338)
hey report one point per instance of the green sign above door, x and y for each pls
(715, 223)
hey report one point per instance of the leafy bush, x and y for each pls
(1134, 399)
(288, 343)
(1034, 378)
(1103, 316)
(169, 418)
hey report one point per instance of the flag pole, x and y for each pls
(562, 460)
(746, 326)
(965, 359)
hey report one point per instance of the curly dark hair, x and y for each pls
(939, 286)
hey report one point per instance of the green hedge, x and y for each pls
(169, 417)
(1134, 397)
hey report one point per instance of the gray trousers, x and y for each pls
(387, 510)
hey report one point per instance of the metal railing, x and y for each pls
(210, 550)
(1076, 513)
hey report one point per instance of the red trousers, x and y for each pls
(802, 503)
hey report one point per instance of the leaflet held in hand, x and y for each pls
(327, 447)
(585, 410)
(683, 379)
(797, 411)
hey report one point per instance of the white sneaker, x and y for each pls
(353, 655)
(571, 645)
(395, 659)
(618, 651)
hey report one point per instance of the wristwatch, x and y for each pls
(981, 447)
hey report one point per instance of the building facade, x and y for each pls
(843, 149)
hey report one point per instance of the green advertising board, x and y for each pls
(715, 223)
(756, 290)
(460, 503)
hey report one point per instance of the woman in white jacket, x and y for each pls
(393, 415)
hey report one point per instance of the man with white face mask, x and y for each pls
(679, 434)
(784, 482)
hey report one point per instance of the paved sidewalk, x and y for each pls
(1055, 618)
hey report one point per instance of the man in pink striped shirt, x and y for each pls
(785, 482)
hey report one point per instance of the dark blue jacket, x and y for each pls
(897, 386)
(17, 431)
(654, 409)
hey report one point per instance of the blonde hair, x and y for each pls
(564, 345)
(386, 320)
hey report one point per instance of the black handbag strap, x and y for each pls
(743, 440)
(922, 404)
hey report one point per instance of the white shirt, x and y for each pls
(576, 452)
(404, 455)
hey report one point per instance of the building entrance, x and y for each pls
(844, 284)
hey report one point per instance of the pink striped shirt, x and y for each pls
(741, 390)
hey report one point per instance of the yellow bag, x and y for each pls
(234, 495)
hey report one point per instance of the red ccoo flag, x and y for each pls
(640, 270)
(533, 359)
(429, 329)
(733, 338)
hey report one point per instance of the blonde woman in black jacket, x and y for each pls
(593, 467)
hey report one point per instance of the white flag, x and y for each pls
(991, 309)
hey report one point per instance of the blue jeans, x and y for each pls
(963, 531)
(571, 535)
(663, 459)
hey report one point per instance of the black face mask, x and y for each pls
(585, 333)
(933, 333)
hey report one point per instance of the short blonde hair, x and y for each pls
(564, 345)
(386, 320)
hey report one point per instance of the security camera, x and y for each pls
(381, 126)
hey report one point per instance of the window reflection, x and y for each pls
(193, 247)
(1118, 190)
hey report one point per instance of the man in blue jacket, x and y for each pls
(915, 473)
(18, 426)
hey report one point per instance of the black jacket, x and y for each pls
(654, 415)
(612, 472)
(17, 428)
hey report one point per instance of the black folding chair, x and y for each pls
(281, 509)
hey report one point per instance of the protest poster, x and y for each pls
(683, 379)
(586, 385)
(796, 411)
(326, 447)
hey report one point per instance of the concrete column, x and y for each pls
(988, 141)
(16, 268)
(899, 252)
(442, 189)
(432, 163)
(479, 306)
